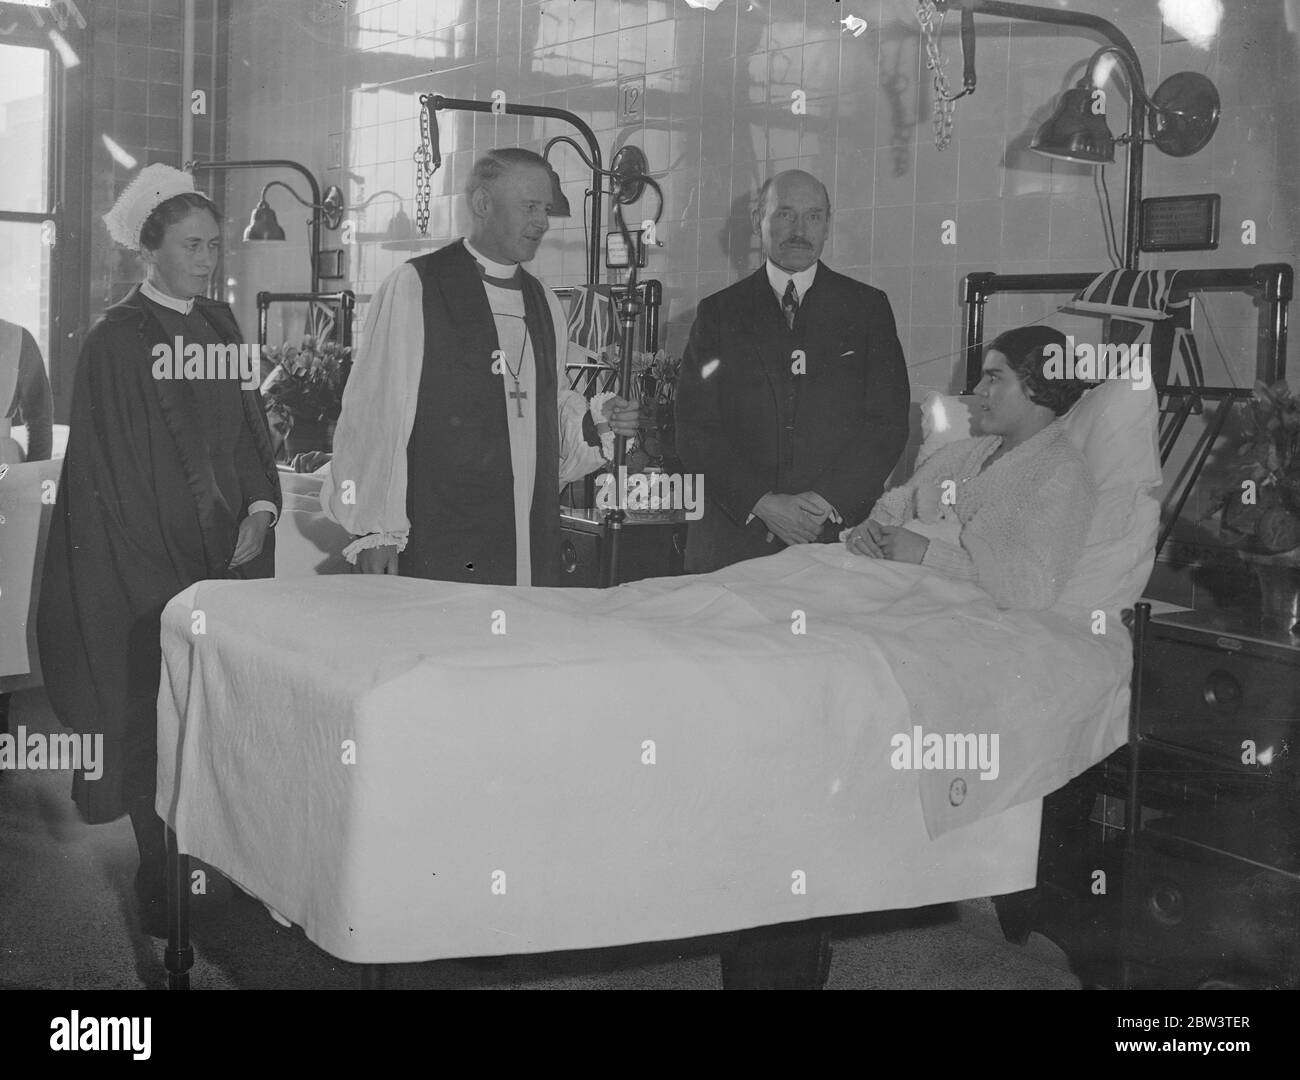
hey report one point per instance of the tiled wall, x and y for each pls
(336, 87)
(136, 66)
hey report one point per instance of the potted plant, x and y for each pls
(304, 392)
(1260, 512)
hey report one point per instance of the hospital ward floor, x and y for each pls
(67, 922)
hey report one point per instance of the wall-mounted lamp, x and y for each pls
(429, 157)
(627, 173)
(327, 210)
(398, 235)
(263, 225)
(1182, 114)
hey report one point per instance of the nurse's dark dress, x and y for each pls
(157, 477)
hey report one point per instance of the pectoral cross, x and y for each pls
(519, 397)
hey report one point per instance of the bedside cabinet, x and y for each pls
(1207, 893)
(651, 547)
(1211, 892)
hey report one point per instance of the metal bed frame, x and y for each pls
(1272, 283)
(346, 300)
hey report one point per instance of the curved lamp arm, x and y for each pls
(1181, 116)
(1132, 75)
(546, 151)
(432, 103)
(362, 205)
(331, 206)
(627, 170)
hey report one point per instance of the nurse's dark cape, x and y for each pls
(138, 518)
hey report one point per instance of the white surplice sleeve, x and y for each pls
(577, 457)
(365, 487)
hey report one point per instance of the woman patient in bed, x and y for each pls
(1021, 492)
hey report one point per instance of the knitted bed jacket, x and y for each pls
(1024, 518)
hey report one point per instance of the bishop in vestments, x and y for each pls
(458, 428)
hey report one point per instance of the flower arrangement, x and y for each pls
(1263, 507)
(308, 380)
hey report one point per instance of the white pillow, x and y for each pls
(1114, 427)
(1118, 554)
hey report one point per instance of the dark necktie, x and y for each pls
(790, 303)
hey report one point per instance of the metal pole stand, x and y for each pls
(629, 310)
(178, 956)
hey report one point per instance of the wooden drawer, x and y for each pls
(1212, 694)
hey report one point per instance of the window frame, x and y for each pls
(67, 195)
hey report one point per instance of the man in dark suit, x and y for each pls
(793, 397)
(793, 404)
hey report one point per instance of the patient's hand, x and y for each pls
(378, 560)
(865, 539)
(902, 545)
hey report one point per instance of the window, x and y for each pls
(28, 225)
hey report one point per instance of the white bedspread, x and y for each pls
(657, 761)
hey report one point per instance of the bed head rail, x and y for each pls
(1271, 282)
(329, 314)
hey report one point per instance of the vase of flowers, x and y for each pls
(304, 392)
(1260, 512)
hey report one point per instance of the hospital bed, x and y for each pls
(414, 770)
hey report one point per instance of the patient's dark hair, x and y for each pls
(169, 212)
(1025, 349)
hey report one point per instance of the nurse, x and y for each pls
(166, 482)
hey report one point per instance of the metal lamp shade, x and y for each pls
(1075, 132)
(263, 224)
(559, 203)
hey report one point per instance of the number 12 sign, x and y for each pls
(631, 100)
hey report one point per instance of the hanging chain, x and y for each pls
(944, 98)
(424, 170)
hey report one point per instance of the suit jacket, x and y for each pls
(750, 425)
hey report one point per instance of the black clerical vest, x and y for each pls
(460, 485)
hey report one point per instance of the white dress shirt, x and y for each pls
(779, 280)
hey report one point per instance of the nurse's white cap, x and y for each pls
(154, 185)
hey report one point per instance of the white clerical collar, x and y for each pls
(778, 278)
(159, 297)
(493, 268)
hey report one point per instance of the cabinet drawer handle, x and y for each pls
(569, 557)
(1222, 691)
